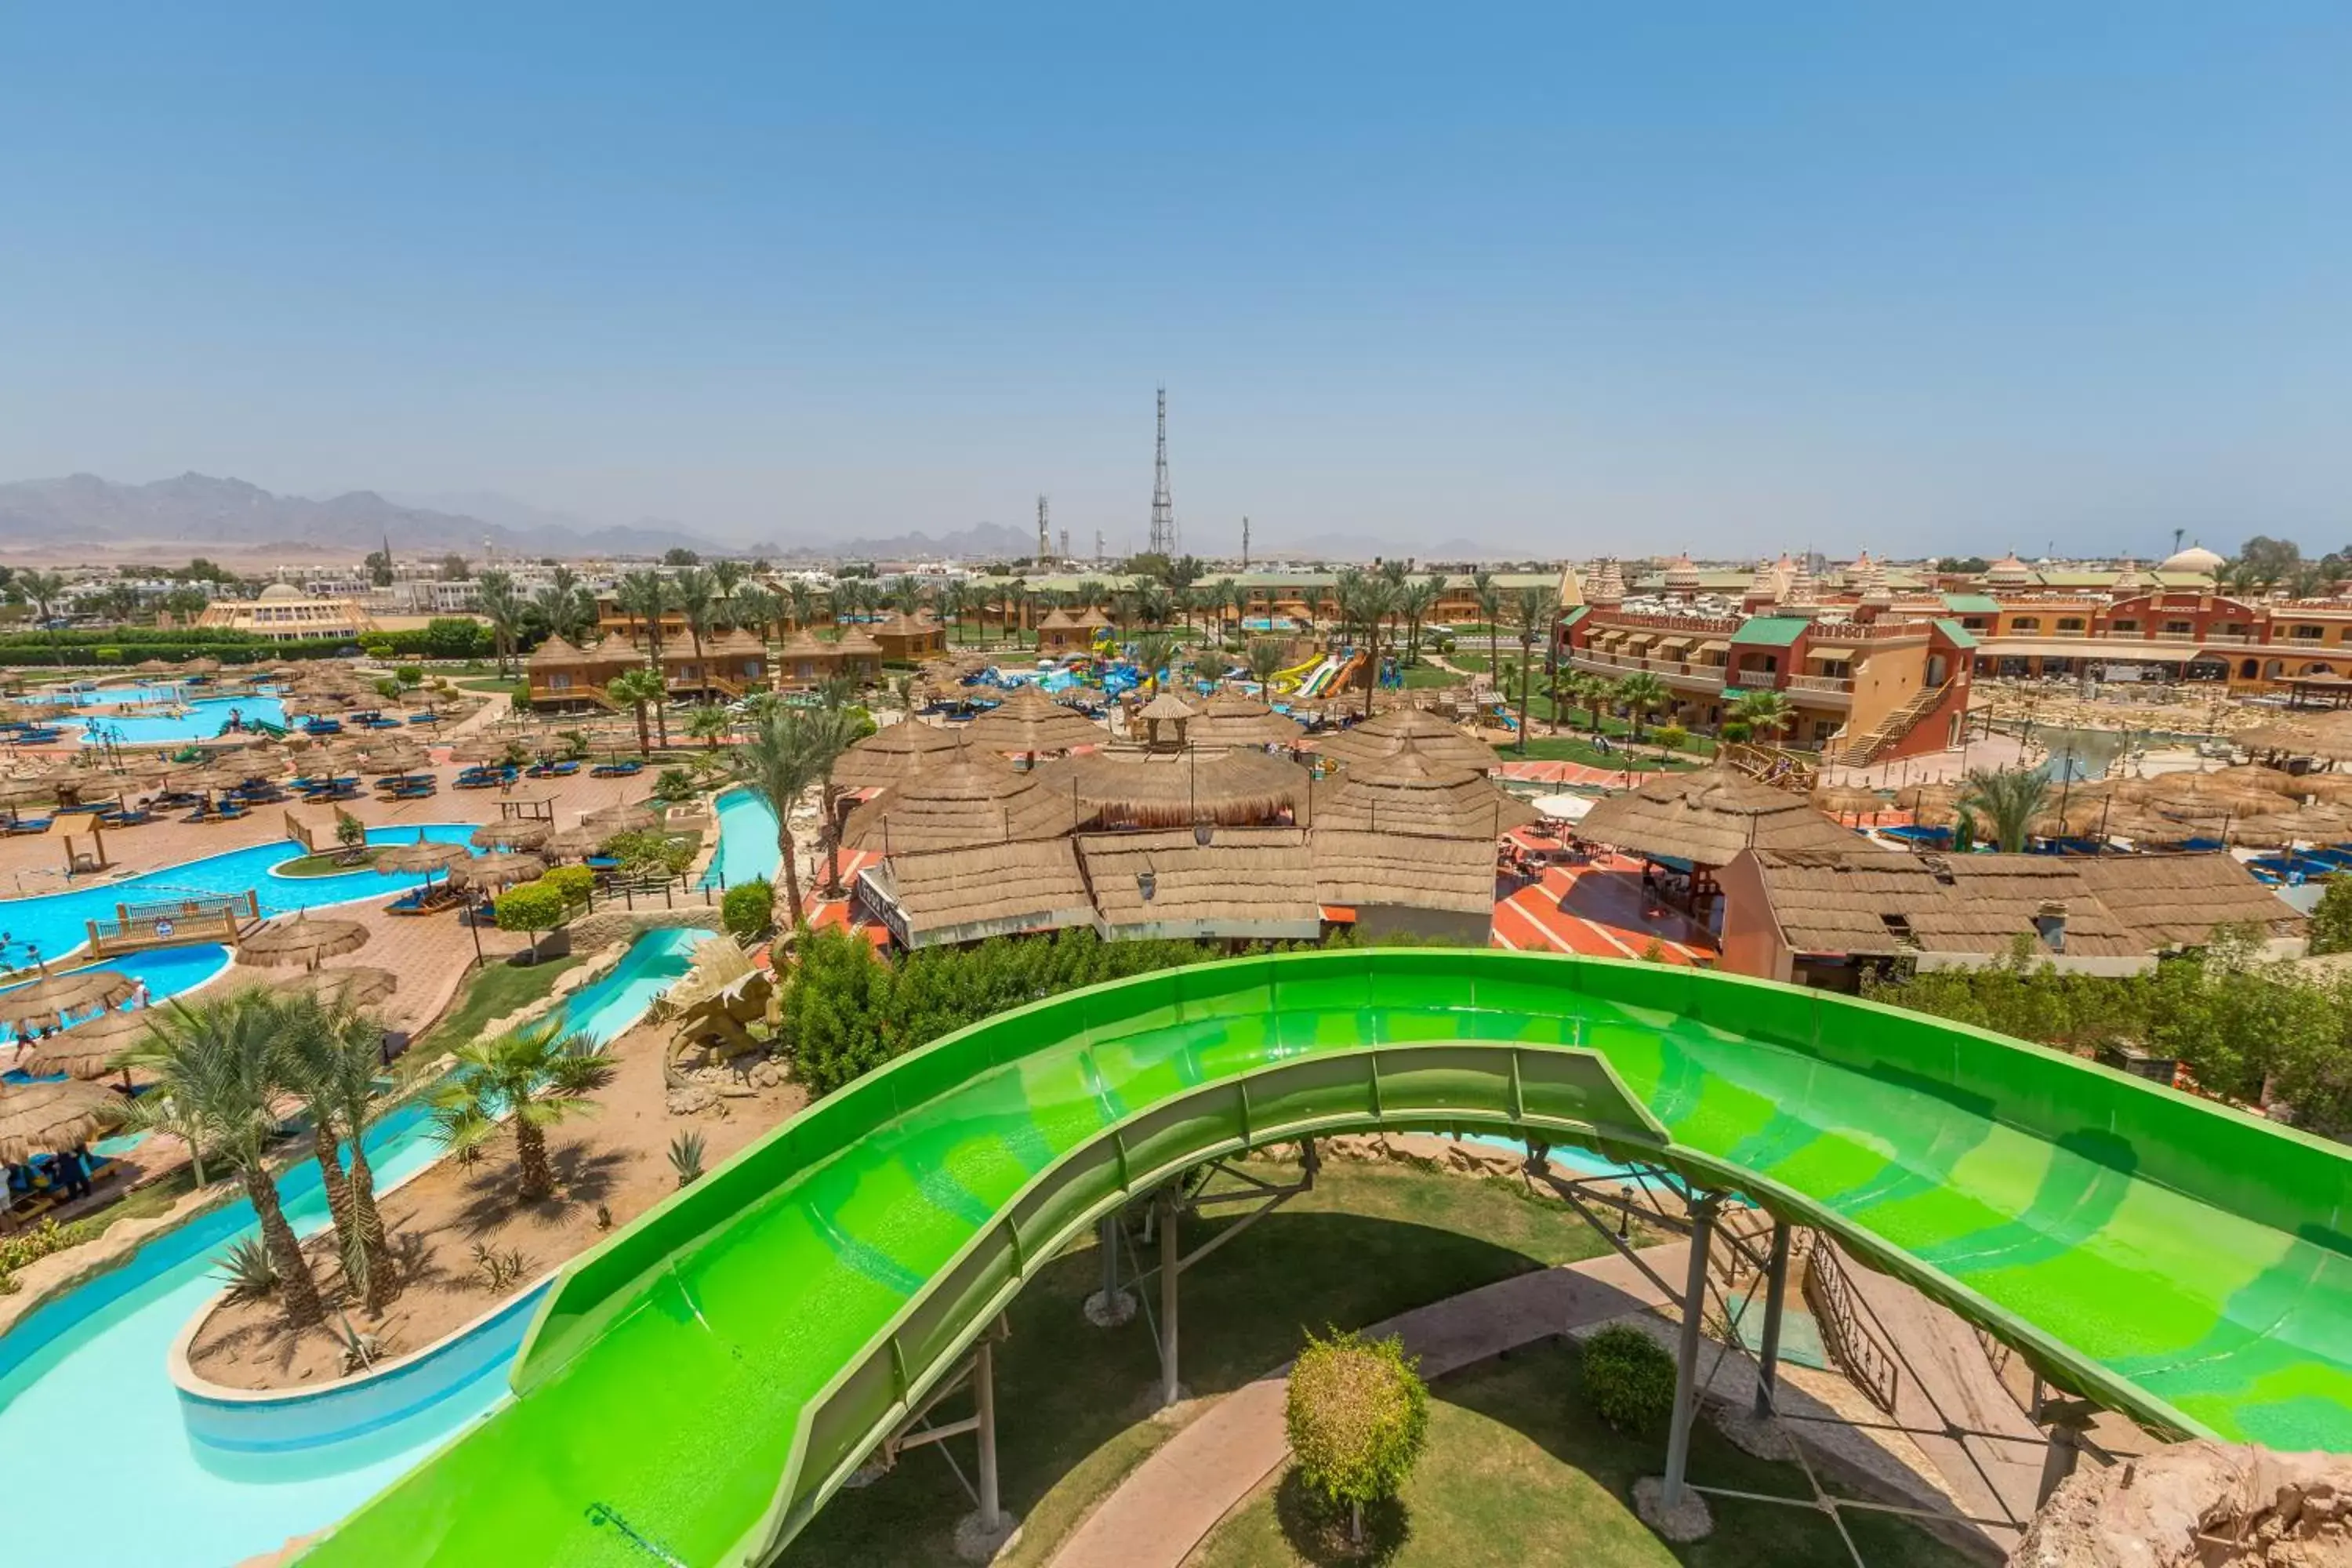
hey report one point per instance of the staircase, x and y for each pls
(1874, 742)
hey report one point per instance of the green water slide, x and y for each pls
(696, 1388)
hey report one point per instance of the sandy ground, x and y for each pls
(615, 1157)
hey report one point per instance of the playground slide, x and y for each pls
(1334, 676)
(1297, 674)
(697, 1386)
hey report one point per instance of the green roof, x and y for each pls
(1574, 616)
(1970, 604)
(1734, 693)
(1771, 631)
(1959, 634)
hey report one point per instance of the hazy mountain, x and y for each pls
(980, 541)
(1363, 547)
(198, 511)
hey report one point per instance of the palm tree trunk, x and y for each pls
(645, 737)
(375, 1242)
(831, 829)
(297, 1290)
(530, 1153)
(792, 867)
(327, 1149)
(1526, 663)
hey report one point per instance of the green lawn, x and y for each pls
(497, 989)
(1370, 1241)
(1579, 748)
(494, 683)
(1518, 1471)
(1426, 675)
(329, 863)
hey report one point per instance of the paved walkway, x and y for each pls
(1599, 910)
(1172, 1501)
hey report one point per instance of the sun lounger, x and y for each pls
(616, 770)
(425, 791)
(29, 824)
(424, 718)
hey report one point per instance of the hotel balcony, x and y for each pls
(1677, 673)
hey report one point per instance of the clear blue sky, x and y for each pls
(1561, 277)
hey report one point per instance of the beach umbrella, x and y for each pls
(425, 855)
(50, 1117)
(515, 833)
(200, 665)
(2325, 786)
(614, 819)
(301, 942)
(576, 842)
(89, 1049)
(478, 751)
(496, 870)
(1849, 800)
(48, 999)
(357, 987)
(2274, 830)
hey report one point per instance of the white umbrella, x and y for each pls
(1563, 807)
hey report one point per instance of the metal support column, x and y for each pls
(1694, 1305)
(1170, 1269)
(1107, 1243)
(2068, 1420)
(1776, 1289)
(983, 1394)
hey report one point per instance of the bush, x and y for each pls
(650, 854)
(675, 785)
(572, 883)
(531, 908)
(1358, 1416)
(1629, 1378)
(749, 909)
(26, 1246)
(2331, 921)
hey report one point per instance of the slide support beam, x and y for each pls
(1775, 1291)
(1694, 1305)
(1170, 1271)
(983, 1392)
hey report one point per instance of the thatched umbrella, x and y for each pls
(425, 855)
(576, 842)
(496, 870)
(51, 998)
(1227, 719)
(514, 832)
(1849, 800)
(200, 665)
(2253, 777)
(957, 800)
(886, 756)
(89, 1049)
(616, 819)
(2325, 786)
(302, 941)
(1382, 736)
(2273, 830)
(479, 751)
(1180, 789)
(356, 987)
(50, 1117)
(2327, 735)
(1413, 792)
(1028, 722)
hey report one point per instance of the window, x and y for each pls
(2123, 625)
(2070, 622)
(2179, 628)
(2026, 624)
(2308, 633)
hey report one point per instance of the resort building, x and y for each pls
(1824, 917)
(557, 675)
(283, 613)
(909, 639)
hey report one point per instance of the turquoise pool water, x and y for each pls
(747, 841)
(56, 923)
(168, 971)
(92, 1361)
(196, 720)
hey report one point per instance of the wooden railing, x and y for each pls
(137, 927)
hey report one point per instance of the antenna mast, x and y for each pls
(1163, 509)
(1244, 544)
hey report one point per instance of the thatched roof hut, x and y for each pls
(1411, 792)
(45, 1118)
(1707, 818)
(884, 757)
(87, 1049)
(1250, 883)
(1228, 720)
(1356, 869)
(1029, 721)
(1385, 735)
(961, 800)
(1178, 789)
(944, 896)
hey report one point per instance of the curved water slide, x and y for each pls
(697, 1386)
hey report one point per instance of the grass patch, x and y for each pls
(493, 684)
(329, 863)
(496, 989)
(1370, 1241)
(1580, 749)
(1520, 1469)
(1425, 675)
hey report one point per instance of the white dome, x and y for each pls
(2196, 558)
(281, 590)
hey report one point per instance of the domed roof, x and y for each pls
(1682, 577)
(2196, 558)
(2009, 569)
(281, 590)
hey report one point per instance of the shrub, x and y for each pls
(1629, 1378)
(2331, 921)
(532, 908)
(26, 1246)
(674, 785)
(1358, 1416)
(248, 1271)
(686, 1158)
(572, 884)
(749, 909)
(650, 854)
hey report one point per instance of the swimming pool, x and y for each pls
(168, 971)
(654, 961)
(97, 1355)
(54, 924)
(196, 720)
(747, 840)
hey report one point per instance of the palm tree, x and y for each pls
(789, 752)
(708, 723)
(1222, 594)
(332, 1054)
(219, 1066)
(1766, 713)
(2008, 799)
(1532, 610)
(1152, 652)
(695, 594)
(502, 607)
(636, 689)
(1592, 693)
(1642, 694)
(1154, 604)
(537, 1077)
(801, 598)
(1367, 600)
(645, 597)
(1417, 599)
(754, 609)
(43, 589)
(725, 577)
(907, 593)
(1490, 610)
(1266, 657)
